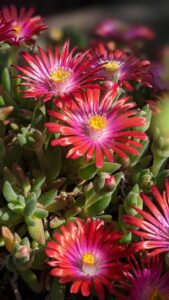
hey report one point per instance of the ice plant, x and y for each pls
(119, 31)
(145, 280)
(123, 67)
(160, 109)
(97, 125)
(86, 254)
(5, 31)
(110, 28)
(51, 75)
(24, 25)
(154, 226)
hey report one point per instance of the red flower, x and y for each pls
(23, 24)
(154, 227)
(5, 31)
(86, 254)
(116, 30)
(97, 125)
(123, 67)
(144, 280)
(52, 75)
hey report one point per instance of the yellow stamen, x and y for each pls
(155, 295)
(17, 28)
(97, 122)
(88, 259)
(112, 66)
(60, 74)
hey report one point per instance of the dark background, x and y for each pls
(153, 13)
(47, 7)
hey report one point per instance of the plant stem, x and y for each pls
(15, 289)
(157, 164)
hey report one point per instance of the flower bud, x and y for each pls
(8, 238)
(5, 112)
(104, 182)
(133, 199)
(31, 139)
(23, 251)
(145, 179)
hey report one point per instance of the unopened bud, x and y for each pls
(23, 251)
(8, 238)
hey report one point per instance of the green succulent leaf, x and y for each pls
(40, 213)
(31, 279)
(39, 181)
(6, 79)
(48, 197)
(110, 167)
(54, 159)
(36, 231)
(57, 290)
(30, 221)
(88, 172)
(16, 208)
(8, 217)
(10, 264)
(8, 192)
(30, 207)
(99, 205)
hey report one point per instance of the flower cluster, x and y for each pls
(121, 32)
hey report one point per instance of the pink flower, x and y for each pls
(86, 254)
(154, 227)
(119, 31)
(96, 125)
(23, 24)
(52, 75)
(5, 31)
(110, 28)
(145, 280)
(123, 67)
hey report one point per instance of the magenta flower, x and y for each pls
(52, 75)
(154, 226)
(139, 33)
(86, 254)
(119, 31)
(5, 31)
(110, 28)
(145, 281)
(24, 25)
(123, 67)
(94, 125)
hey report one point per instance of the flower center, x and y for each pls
(155, 295)
(112, 66)
(17, 29)
(88, 259)
(60, 74)
(97, 122)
